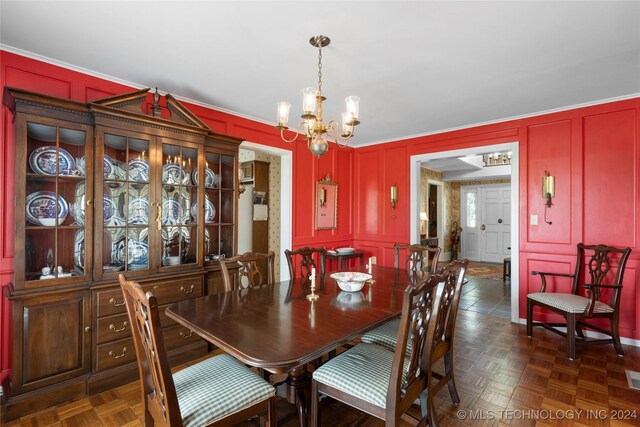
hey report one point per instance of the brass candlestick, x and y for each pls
(312, 296)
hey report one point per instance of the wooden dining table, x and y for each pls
(276, 328)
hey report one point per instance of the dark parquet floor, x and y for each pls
(503, 378)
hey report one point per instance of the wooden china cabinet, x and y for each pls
(131, 184)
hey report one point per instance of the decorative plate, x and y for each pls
(109, 208)
(78, 250)
(174, 174)
(43, 160)
(109, 167)
(138, 170)
(138, 254)
(170, 233)
(171, 212)
(210, 178)
(209, 211)
(138, 211)
(345, 250)
(42, 204)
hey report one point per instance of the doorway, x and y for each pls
(415, 162)
(286, 191)
(486, 222)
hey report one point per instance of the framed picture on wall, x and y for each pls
(326, 204)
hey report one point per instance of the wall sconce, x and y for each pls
(394, 196)
(322, 197)
(548, 192)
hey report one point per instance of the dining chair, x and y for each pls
(385, 383)
(308, 258)
(418, 258)
(248, 274)
(602, 300)
(386, 335)
(216, 391)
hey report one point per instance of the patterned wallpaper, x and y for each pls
(451, 197)
(273, 198)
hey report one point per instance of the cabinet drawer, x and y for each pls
(113, 328)
(177, 336)
(115, 353)
(110, 302)
(175, 290)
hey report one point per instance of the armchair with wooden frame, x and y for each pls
(590, 274)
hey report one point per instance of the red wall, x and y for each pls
(593, 152)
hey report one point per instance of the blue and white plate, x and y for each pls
(171, 212)
(109, 208)
(138, 211)
(209, 211)
(174, 174)
(78, 250)
(42, 204)
(43, 160)
(138, 254)
(210, 180)
(138, 170)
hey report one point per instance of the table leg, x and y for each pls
(296, 391)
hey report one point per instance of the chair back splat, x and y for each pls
(248, 274)
(417, 258)
(308, 258)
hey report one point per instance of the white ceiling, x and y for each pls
(418, 67)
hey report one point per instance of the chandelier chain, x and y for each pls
(319, 71)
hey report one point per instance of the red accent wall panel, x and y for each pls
(549, 149)
(611, 178)
(35, 82)
(395, 226)
(367, 191)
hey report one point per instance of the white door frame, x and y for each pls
(414, 203)
(286, 189)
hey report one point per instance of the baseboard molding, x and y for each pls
(597, 335)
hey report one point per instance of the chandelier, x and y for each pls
(311, 125)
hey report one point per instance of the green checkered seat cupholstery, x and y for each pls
(362, 371)
(217, 387)
(385, 336)
(570, 303)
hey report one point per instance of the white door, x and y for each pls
(470, 223)
(495, 217)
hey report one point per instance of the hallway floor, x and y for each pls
(487, 296)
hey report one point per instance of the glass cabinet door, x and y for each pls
(219, 232)
(123, 201)
(57, 190)
(178, 218)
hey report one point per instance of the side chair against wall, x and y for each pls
(389, 382)
(307, 260)
(216, 391)
(248, 274)
(576, 308)
(417, 258)
(386, 335)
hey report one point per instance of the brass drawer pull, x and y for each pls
(185, 336)
(115, 303)
(113, 354)
(114, 329)
(187, 291)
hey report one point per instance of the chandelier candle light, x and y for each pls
(311, 124)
